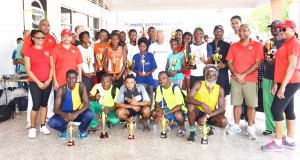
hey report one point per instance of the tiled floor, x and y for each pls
(14, 144)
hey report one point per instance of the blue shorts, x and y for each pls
(172, 116)
(155, 84)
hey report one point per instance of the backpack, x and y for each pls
(173, 88)
(64, 92)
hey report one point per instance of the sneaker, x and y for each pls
(272, 147)
(210, 132)
(63, 136)
(267, 132)
(181, 133)
(83, 136)
(44, 130)
(172, 126)
(191, 138)
(251, 133)
(287, 144)
(32, 133)
(234, 129)
(123, 121)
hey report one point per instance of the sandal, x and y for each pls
(146, 128)
(92, 130)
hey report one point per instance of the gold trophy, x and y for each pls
(70, 130)
(269, 46)
(174, 63)
(100, 60)
(88, 61)
(185, 51)
(143, 64)
(131, 127)
(114, 65)
(193, 61)
(103, 118)
(204, 129)
(163, 122)
(129, 65)
(173, 34)
(217, 57)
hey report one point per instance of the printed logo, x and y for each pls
(73, 51)
(250, 47)
(50, 40)
(46, 53)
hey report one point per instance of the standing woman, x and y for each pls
(39, 67)
(87, 54)
(186, 42)
(287, 82)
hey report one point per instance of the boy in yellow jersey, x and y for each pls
(175, 109)
(203, 100)
(71, 104)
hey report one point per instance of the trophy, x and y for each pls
(114, 65)
(174, 63)
(204, 129)
(163, 122)
(70, 130)
(217, 57)
(193, 61)
(131, 127)
(269, 46)
(88, 61)
(143, 64)
(173, 34)
(129, 65)
(103, 118)
(185, 51)
(100, 59)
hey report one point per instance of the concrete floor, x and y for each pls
(15, 144)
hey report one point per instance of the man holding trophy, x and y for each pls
(169, 104)
(131, 49)
(203, 100)
(133, 99)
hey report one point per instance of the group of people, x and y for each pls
(184, 78)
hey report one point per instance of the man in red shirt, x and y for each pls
(49, 42)
(66, 56)
(243, 59)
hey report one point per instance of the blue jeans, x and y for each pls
(58, 123)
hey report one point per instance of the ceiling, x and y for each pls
(129, 5)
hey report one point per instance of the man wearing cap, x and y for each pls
(203, 100)
(268, 77)
(66, 56)
(243, 59)
(220, 46)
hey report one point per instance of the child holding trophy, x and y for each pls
(176, 64)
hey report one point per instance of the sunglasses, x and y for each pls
(282, 29)
(39, 38)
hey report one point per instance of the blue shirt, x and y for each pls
(178, 57)
(14, 58)
(149, 65)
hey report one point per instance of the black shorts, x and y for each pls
(39, 96)
(201, 114)
(132, 112)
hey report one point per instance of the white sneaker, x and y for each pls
(32, 133)
(45, 130)
(251, 133)
(234, 129)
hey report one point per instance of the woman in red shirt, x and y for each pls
(39, 67)
(287, 82)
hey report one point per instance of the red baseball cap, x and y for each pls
(66, 31)
(287, 24)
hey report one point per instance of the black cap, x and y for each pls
(219, 27)
(275, 23)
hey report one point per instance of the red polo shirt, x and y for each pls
(64, 60)
(49, 42)
(39, 63)
(289, 47)
(244, 57)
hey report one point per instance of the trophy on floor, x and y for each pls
(70, 130)
(100, 60)
(114, 65)
(269, 46)
(103, 118)
(217, 56)
(204, 129)
(143, 64)
(131, 127)
(174, 63)
(193, 61)
(129, 65)
(163, 122)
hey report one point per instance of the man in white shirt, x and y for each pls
(236, 22)
(160, 50)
